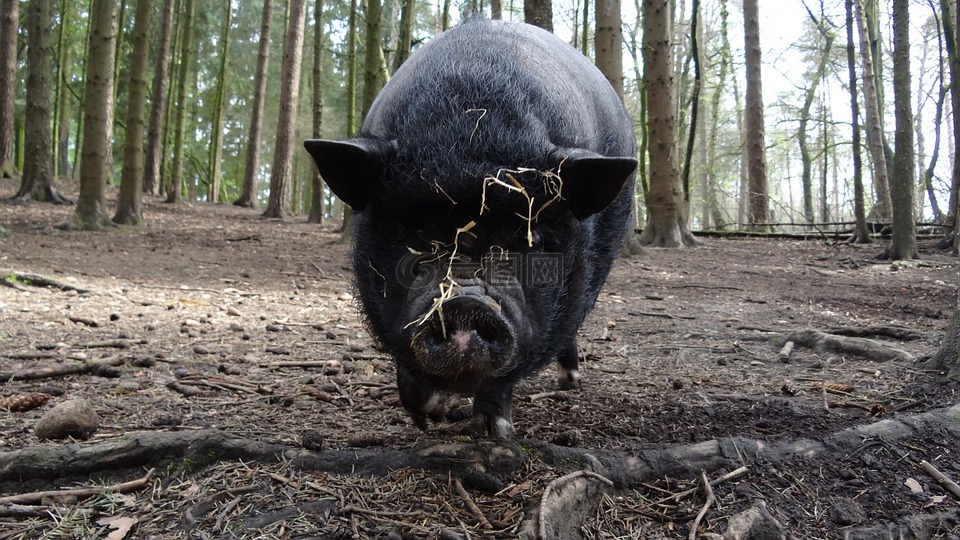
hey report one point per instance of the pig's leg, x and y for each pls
(419, 398)
(568, 368)
(492, 410)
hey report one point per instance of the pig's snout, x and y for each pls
(467, 336)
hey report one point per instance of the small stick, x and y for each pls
(786, 351)
(38, 496)
(944, 480)
(61, 370)
(687, 492)
(472, 505)
(706, 506)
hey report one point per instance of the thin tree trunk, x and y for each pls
(373, 76)
(248, 194)
(496, 9)
(712, 187)
(903, 241)
(59, 94)
(809, 95)
(756, 156)
(317, 207)
(694, 98)
(91, 212)
(861, 234)
(881, 183)
(9, 20)
(129, 201)
(219, 104)
(951, 23)
(585, 38)
(278, 204)
(175, 188)
(405, 35)
(154, 154)
(37, 180)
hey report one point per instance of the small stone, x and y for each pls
(846, 512)
(234, 327)
(75, 418)
(274, 328)
(234, 311)
(191, 322)
(202, 349)
(114, 316)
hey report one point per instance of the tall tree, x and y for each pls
(278, 204)
(951, 25)
(694, 98)
(37, 181)
(666, 209)
(758, 208)
(9, 17)
(538, 13)
(716, 217)
(871, 100)
(158, 102)
(186, 59)
(219, 104)
(608, 37)
(91, 211)
(129, 204)
(828, 36)
(317, 206)
(248, 193)
(903, 241)
(405, 33)
(860, 233)
(374, 75)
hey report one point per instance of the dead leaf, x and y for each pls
(914, 485)
(121, 526)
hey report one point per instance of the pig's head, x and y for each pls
(463, 278)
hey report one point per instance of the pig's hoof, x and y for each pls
(568, 379)
(496, 426)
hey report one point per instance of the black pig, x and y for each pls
(491, 185)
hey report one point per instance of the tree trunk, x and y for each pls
(158, 101)
(951, 23)
(59, 94)
(496, 9)
(248, 194)
(317, 208)
(871, 101)
(948, 357)
(175, 186)
(9, 20)
(758, 208)
(694, 99)
(666, 213)
(219, 104)
(861, 234)
(809, 95)
(91, 212)
(405, 36)
(538, 13)
(607, 42)
(352, 70)
(903, 241)
(373, 76)
(129, 204)
(712, 187)
(278, 204)
(37, 182)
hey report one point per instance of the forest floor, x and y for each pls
(239, 331)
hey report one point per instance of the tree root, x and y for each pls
(869, 348)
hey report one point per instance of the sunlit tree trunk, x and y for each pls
(317, 206)
(871, 101)
(129, 207)
(608, 38)
(666, 224)
(758, 207)
(248, 194)
(860, 233)
(175, 186)
(91, 212)
(9, 20)
(37, 181)
(903, 241)
(219, 104)
(278, 204)
(496, 9)
(538, 13)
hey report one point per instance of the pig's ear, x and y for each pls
(591, 181)
(350, 167)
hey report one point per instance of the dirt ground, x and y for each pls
(683, 347)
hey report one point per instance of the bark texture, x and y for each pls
(281, 172)
(129, 207)
(538, 13)
(860, 232)
(666, 210)
(248, 194)
(186, 58)
(607, 38)
(903, 241)
(154, 153)
(317, 205)
(758, 208)
(9, 20)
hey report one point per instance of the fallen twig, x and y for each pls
(711, 498)
(63, 370)
(471, 505)
(943, 479)
(80, 493)
(687, 492)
